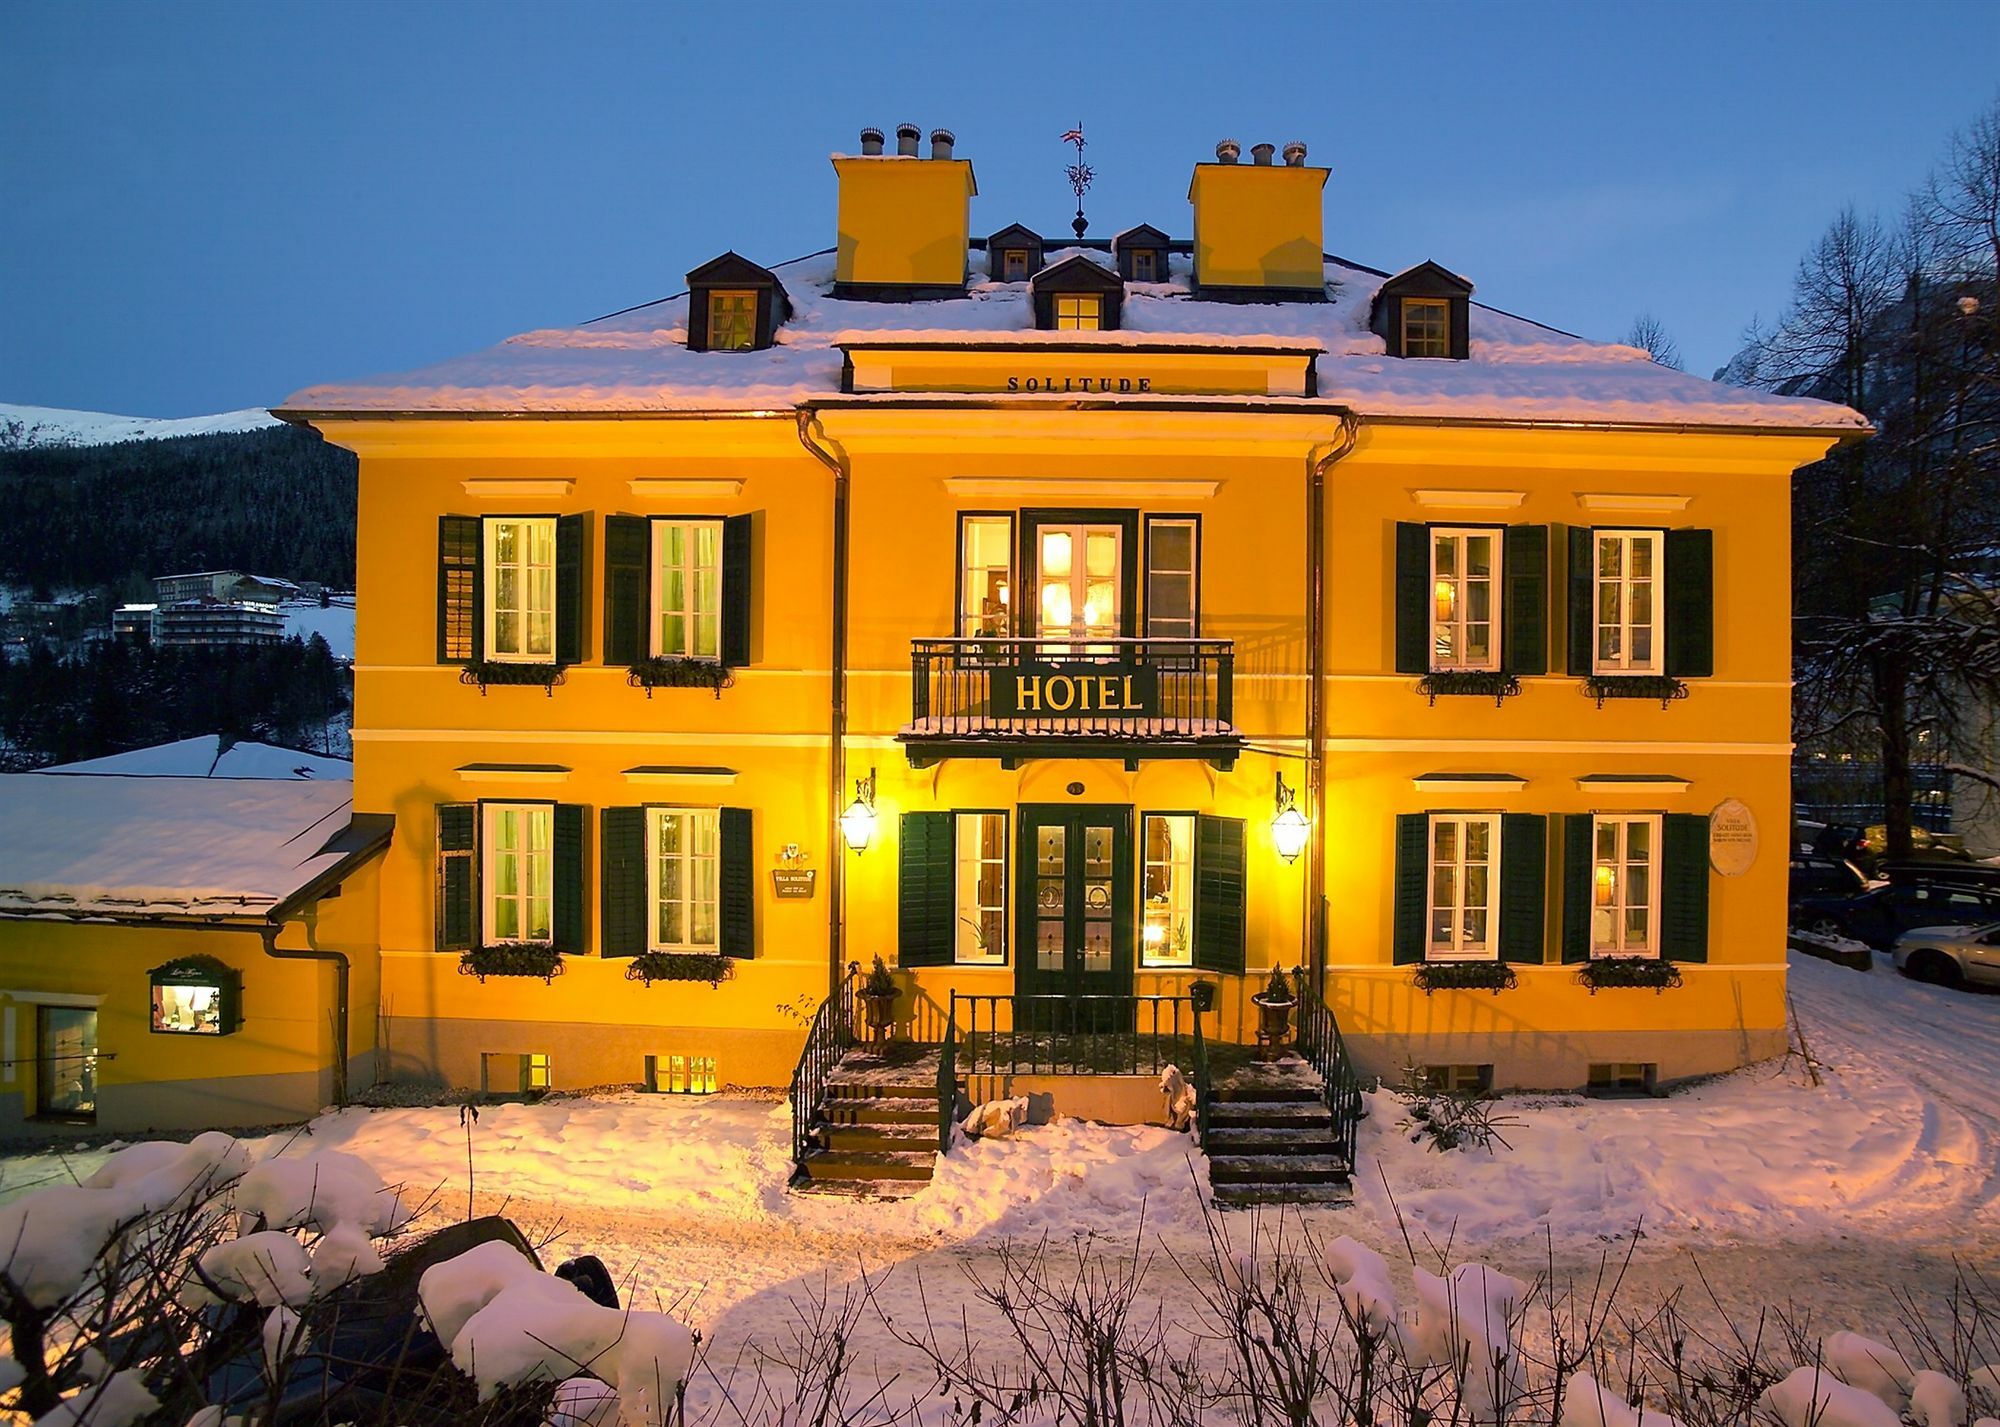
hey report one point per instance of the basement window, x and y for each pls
(506, 1073)
(1456, 1079)
(1622, 1078)
(681, 1075)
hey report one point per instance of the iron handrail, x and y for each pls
(1203, 1084)
(1070, 1035)
(1192, 683)
(828, 1038)
(1320, 1042)
(947, 1080)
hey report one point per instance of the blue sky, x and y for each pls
(207, 206)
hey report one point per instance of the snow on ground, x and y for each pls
(334, 624)
(56, 426)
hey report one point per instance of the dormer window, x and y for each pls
(1014, 254)
(1142, 266)
(734, 306)
(1077, 295)
(1141, 253)
(1014, 265)
(1423, 312)
(1079, 312)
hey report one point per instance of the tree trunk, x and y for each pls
(1892, 698)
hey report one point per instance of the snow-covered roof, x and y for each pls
(637, 361)
(205, 757)
(88, 846)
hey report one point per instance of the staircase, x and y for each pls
(874, 1130)
(1272, 1140)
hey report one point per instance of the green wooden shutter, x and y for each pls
(1408, 936)
(1684, 887)
(1413, 587)
(628, 558)
(1219, 894)
(1578, 829)
(926, 905)
(1690, 606)
(738, 884)
(621, 870)
(1582, 631)
(457, 876)
(736, 582)
(569, 903)
(1524, 855)
(1524, 642)
(459, 627)
(572, 579)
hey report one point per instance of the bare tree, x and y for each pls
(1649, 335)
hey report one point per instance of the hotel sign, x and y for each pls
(1042, 691)
(1121, 365)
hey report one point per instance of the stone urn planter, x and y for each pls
(878, 1002)
(1274, 1011)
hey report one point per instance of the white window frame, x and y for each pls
(968, 862)
(692, 865)
(1459, 585)
(1457, 948)
(490, 854)
(1410, 330)
(1079, 580)
(1192, 574)
(657, 611)
(1616, 907)
(489, 539)
(1007, 265)
(1657, 625)
(1180, 896)
(971, 582)
(720, 297)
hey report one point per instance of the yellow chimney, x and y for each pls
(1258, 230)
(904, 221)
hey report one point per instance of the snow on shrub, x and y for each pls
(1362, 1277)
(268, 1267)
(1937, 1401)
(343, 1254)
(1873, 1367)
(1812, 1397)
(320, 1191)
(118, 1401)
(1587, 1403)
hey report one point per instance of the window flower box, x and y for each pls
(512, 959)
(651, 966)
(1638, 971)
(1475, 683)
(487, 672)
(1663, 687)
(651, 674)
(1494, 976)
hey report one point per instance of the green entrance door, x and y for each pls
(1073, 914)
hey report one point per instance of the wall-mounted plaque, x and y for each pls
(793, 884)
(1732, 838)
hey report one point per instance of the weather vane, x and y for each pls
(1080, 175)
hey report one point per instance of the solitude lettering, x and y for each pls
(1117, 384)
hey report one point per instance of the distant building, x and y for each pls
(232, 585)
(134, 622)
(215, 621)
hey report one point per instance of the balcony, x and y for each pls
(1020, 698)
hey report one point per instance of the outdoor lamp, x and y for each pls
(857, 824)
(1289, 827)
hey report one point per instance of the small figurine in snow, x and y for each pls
(1180, 1098)
(997, 1119)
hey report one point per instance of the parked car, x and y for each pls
(1951, 956)
(1881, 916)
(1817, 876)
(1940, 870)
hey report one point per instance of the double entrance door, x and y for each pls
(1073, 912)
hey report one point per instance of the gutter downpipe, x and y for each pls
(342, 970)
(1318, 462)
(828, 453)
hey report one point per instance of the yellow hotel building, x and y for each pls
(1071, 624)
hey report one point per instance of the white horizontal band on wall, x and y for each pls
(1466, 783)
(1059, 491)
(1603, 783)
(513, 773)
(1594, 500)
(512, 486)
(1469, 500)
(77, 999)
(683, 487)
(660, 773)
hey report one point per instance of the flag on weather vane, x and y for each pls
(1080, 175)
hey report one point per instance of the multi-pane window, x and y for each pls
(1625, 886)
(1627, 615)
(1078, 312)
(683, 854)
(1426, 327)
(519, 871)
(985, 574)
(732, 321)
(521, 589)
(687, 589)
(1078, 573)
(1143, 268)
(1171, 548)
(1167, 934)
(1465, 572)
(1463, 908)
(982, 888)
(1014, 265)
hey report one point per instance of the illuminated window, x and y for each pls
(985, 575)
(1627, 614)
(982, 888)
(1078, 312)
(1143, 265)
(1171, 547)
(1014, 265)
(535, 1072)
(683, 851)
(687, 589)
(1426, 327)
(1167, 933)
(1463, 909)
(1077, 576)
(1465, 574)
(732, 321)
(1625, 886)
(681, 1075)
(518, 872)
(521, 590)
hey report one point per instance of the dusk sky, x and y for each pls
(208, 206)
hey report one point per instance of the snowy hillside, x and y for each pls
(53, 426)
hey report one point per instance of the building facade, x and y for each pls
(1073, 619)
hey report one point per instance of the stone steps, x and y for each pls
(1272, 1139)
(870, 1165)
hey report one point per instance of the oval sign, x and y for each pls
(1732, 838)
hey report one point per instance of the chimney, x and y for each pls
(1259, 226)
(941, 142)
(906, 140)
(1260, 154)
(871, 142)
(1295, 154)
(1227, 151)
(902, 229)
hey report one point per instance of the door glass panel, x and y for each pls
(1099, 900)
(1079, 597)
(1051, 902)
(66, 1072)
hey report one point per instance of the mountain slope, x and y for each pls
(26, 426)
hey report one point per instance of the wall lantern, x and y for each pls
(1289, 827)
(857, 824)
